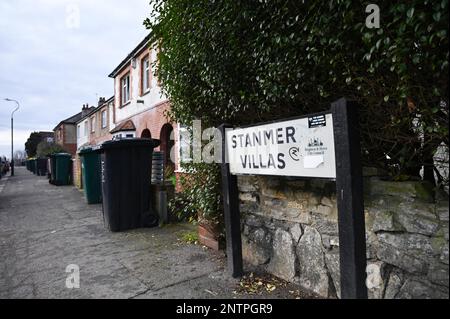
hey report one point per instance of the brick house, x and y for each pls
(66, 131)
(92, 129)
(49, 137)
(140, 107)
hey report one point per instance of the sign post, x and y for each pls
(232, 214)
(350, 201)
(322, 145)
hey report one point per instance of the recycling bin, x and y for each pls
(126, 178)
(63, 169)
(91, 174)
(52, 168)
(34, 166)
(41, 166)
(49, 168)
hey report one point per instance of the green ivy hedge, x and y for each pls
(249, 61)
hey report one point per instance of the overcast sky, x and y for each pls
(53, 63)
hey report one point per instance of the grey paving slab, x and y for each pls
(44, 228)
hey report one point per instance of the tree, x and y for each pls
(32, 143)
(46, 148)
(251, 61)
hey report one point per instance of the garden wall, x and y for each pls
(289, 227)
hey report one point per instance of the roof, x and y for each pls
(126, 126)
(96, 109)
(130, 56)
(46, 134)
(71, 120)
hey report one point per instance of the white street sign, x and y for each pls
(301, 147)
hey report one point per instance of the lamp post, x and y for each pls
(12, 133)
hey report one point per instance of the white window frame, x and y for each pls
(86, 129)
(79, 130)
(92, 121)
(146, 79)
(104, 116)
(125, 88)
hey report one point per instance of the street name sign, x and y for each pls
(323, 145)
(302, 147)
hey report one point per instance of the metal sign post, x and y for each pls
(323, 145)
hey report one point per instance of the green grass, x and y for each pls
(190, 237)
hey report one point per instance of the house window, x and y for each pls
(125, 86)
(104, 119)
(78, 130)
(92, 124)
(85, 128)
(145, 74)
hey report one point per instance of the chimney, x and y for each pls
(85, 110)
(101, 101)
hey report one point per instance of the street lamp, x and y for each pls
(12, 133)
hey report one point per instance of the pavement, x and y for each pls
(45, 228)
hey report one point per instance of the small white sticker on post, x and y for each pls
(311, 162)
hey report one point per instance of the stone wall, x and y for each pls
(289, 228)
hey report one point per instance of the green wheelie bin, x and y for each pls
(63, 169)
(92, 172)
(34, 166)
(52, 168)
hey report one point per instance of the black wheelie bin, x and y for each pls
(41, 166)
(126, 175)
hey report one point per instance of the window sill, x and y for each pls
(123, 105)
(145, 93)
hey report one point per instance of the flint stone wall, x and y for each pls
(289, 228)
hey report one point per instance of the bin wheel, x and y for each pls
(151, 220)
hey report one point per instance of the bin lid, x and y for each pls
(131, 142)
(62, 155)
(90, 149)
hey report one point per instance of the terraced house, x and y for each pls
(66, 133)
(140, 107)
(93, 128)
(137, 109)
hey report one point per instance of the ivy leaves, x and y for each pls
(250, 61)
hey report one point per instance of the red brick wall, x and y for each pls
(153, 120)
(60, 138)
(70, 148)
